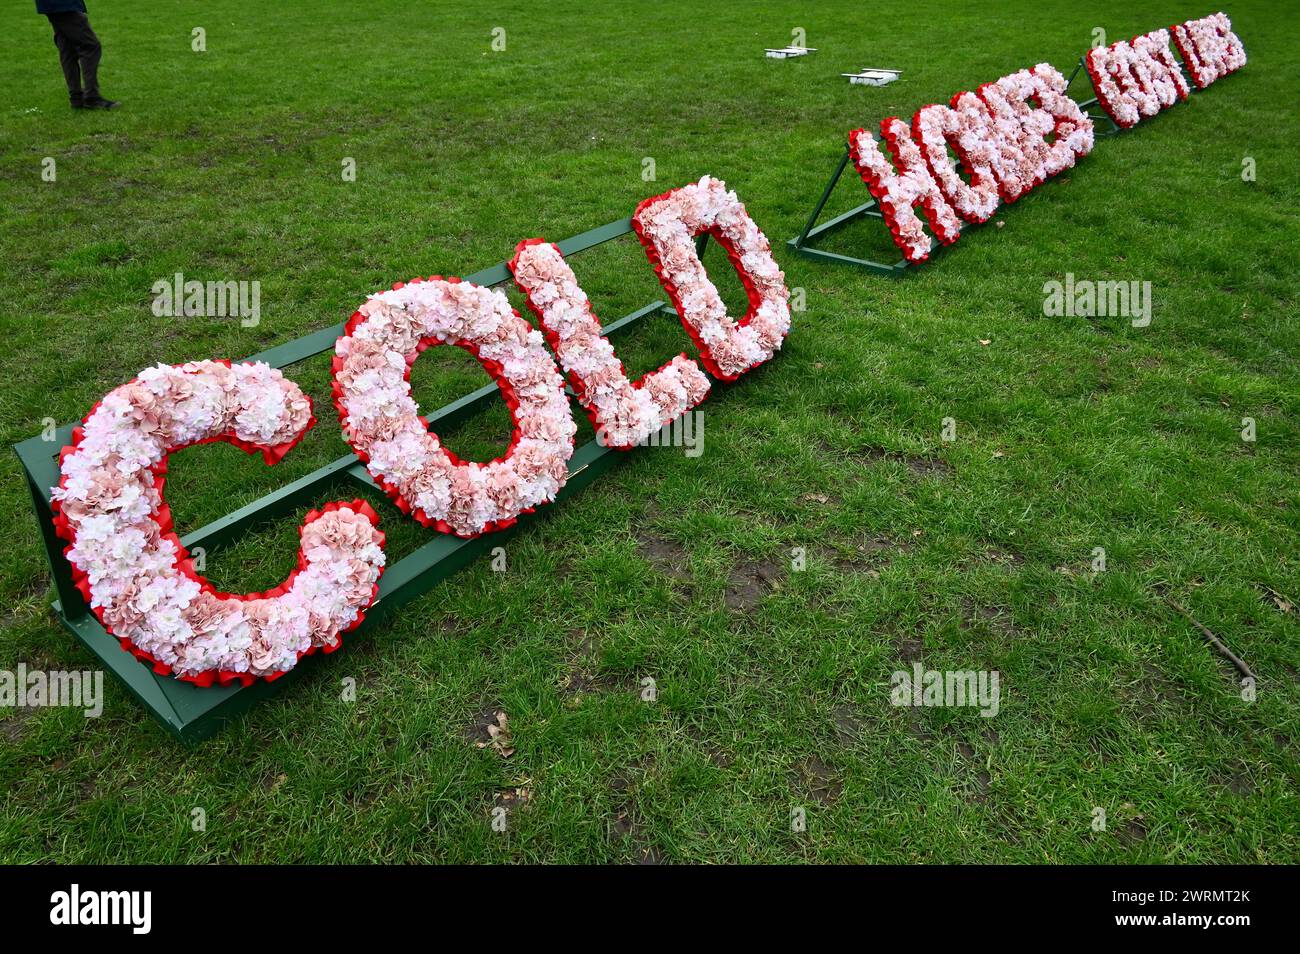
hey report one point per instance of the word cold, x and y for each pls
(385, 336)
(140, 581)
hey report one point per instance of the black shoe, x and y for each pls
(99, 102)
(77, 102)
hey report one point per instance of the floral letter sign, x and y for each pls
(141, 583)
(999, 134)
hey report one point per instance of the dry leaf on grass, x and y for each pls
(1278, 600)
(499, 737)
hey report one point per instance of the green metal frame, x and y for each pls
(802, 243)
(192, 713)
(812, 231)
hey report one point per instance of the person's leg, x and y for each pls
(88, 50)
(88, 53)
(68, 58)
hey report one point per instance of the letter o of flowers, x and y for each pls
(132, 568)
(372, 391)
(667, 226)
(622, 412)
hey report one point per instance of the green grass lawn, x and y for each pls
(773, 685)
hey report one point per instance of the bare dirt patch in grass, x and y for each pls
(820, 781)
(749, 582)
(667, 556)
(920, 465)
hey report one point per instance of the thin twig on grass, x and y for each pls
(1213, 640)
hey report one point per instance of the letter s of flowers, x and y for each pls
(622, 412)
(1209, 47)
(372, 391)
(132, 568)
(667, 226)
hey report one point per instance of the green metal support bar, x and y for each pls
(802, 243)
(192, 713)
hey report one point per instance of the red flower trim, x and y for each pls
(223, 677)
(553, 339)
(1094, 73)
(888, 210)
(185, 564)
(493, 368)
(754, 296)
(1191, 56)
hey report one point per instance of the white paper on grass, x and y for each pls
(872, 77)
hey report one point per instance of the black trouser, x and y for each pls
(78, 53)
